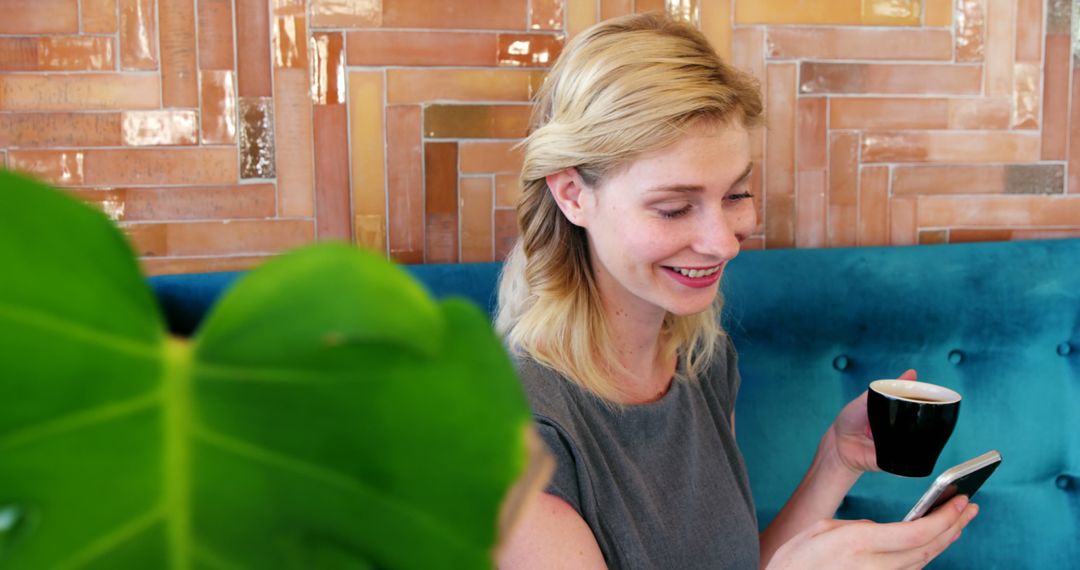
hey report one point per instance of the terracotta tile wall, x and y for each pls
(220, 132)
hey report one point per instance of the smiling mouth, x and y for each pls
(695, 272)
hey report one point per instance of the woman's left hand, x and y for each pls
(853, 442)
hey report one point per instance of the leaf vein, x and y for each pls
(110, 541)
(79, 420)
(75, 331)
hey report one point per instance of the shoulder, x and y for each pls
(549, 394)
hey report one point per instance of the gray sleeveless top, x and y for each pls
(661, 485)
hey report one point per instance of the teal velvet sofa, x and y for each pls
(998, 322)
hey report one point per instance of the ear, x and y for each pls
(571, 194)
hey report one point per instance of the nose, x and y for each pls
(722, 235)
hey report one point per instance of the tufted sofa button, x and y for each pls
(841, 363)
(1064, 349)
(956, 356)
(1064, 482)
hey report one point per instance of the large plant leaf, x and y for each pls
(328, 414)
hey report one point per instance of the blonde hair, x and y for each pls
(622, 88)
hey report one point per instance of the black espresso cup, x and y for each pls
(911, 422)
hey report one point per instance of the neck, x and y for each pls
(636, 340)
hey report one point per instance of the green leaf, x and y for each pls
(328, 414)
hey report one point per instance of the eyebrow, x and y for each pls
(694, 188)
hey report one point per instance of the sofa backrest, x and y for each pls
(998, 322)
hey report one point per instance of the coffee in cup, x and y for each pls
(911, 422)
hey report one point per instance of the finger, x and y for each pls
(904, 536)
(910, 374)
(921, 556)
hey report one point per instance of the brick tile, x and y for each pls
(529, 50)
(1000, 47)
(580, 14)
(506, 233)
(1035, 179)
(615, 8)
(748, 53)
(938, 13)
(1026, 96)
(220, 238)
(859, 43)
(292, 134)
(99, 16)
(642, 6)
(482, 157)
(138, 35)
(980, 113)
(183, 203)
(1029, 31)
(811, 134)
(970, 30)
(441, 198)
(716, 24)
(215, 34)
(477, 121)
(780, 155)
(43, 130)
(949, 179)
(798, 12)
(370, 230)
(929, 79)
(257, 142)
(40, 17)
(405, 190)
(933, 237)
(427, 48)
(810, 207)
(1073, 154)
(903, 229)
(82, 92)
(507, 190)
(891, 12)
(179, 166)
(546, 14)
(949, 146)
(961, 235)
(752, 243)
(60, 167)
(419, 86)
(477, 226)
(57, 53)
(289, 40)
(1059, 17)
(332, 190)
(888, 113)
(253, 48)
(1055, 128)
(179, 83)
(368, 158)
(160, 128)
(843, 189)
(178, 265)
(218, 107)
(1063, 233)
(873, 227)
(1011, 211)
(982, 179)
(327, 68)
(478, 14)
(346, 13)
(757, 176)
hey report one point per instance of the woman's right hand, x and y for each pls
(869, 545)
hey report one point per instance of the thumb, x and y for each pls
(910, 374)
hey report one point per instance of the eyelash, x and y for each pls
(672, 214)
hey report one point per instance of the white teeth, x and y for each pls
(696, 273)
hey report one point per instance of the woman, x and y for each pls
(635, 197)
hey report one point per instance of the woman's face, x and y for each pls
(662, 228)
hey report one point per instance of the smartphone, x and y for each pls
(964, 479)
